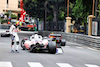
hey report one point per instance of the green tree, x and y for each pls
(57, 7)
(99, 8)
(78, 9)
(88, 8)
(13, 16)
(34, 8)
(82, 9)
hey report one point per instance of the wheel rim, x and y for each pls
(23, 44)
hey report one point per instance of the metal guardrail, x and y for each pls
(4, 26)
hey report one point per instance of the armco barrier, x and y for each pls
(91, 41)
(4, 26)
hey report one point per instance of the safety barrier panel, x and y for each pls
(4, 26)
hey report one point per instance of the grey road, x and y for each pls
(74, 55)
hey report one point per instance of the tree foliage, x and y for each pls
(13, 16)
(78, 9)
(82, 9)
(99, 8)
(36, 8)
(56, 9)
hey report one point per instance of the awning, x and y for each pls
(13, 11)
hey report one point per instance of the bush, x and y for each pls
(4, 21)
(13, 16)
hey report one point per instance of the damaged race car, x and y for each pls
(58, 39)
(5, 34)
(37, 42)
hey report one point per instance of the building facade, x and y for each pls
(12, 6)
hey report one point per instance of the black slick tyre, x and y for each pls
(23, 44)
(63, 42)
(32, 49)
(52, 47)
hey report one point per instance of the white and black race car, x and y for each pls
(37, 42)
(5, 34)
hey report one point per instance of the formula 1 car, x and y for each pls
(6, 34)
(58, 38)
(37, 42)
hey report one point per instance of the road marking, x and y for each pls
(59, 50)
(64, 65)
(80, 47)
(38, 64)
(91, 49)
(5, 64)
(67, 46)
(74, 46)
(91, 65)
(35, 64)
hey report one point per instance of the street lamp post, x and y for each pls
(90, 20)
(93, 7)
(57, 16)
(96, 9)
(45, 14)
(67, 8)
(0, 19)
(68, 20)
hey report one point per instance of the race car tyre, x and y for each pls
(5, 35)
(63, 42)
(32, 49)
(1, 35)
(22, 44)
(52, 47)
(9, 35)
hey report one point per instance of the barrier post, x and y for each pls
(90, 24)
(68, 20)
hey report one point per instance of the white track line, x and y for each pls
(5, 64)
(35, 64)
(91, 65)
(80, 47)
(64, 65)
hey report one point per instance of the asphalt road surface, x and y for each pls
(74, 55)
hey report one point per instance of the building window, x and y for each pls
(18, 3)
(7, 3)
